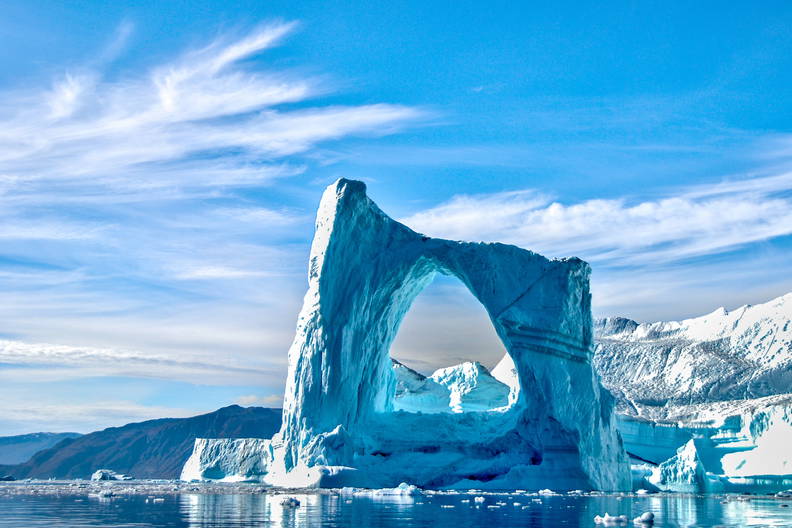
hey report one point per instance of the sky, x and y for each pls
(161, 164)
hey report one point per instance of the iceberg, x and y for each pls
(227, 459)
(717, 386)
(683, 472)
(344, 423)
(468, 386)
(730, 446)
(108, 474)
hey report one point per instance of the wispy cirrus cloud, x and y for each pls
(140, 230)
(273, 400)
(146, 130)
(23, 415)
(43, 362)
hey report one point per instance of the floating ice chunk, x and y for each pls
(103, 494)
(290, 502)
(403, 490)
(610, 520)
(108, 474)
(646, 518)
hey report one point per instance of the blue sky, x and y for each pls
(160, 165)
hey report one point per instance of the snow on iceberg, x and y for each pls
(418, 393)
(341, 421)
(472, 387)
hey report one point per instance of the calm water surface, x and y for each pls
(199, 511)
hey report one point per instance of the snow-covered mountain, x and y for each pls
(725, 355)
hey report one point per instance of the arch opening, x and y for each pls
(446, 356)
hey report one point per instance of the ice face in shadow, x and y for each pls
(341, 423)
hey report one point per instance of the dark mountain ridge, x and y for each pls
(19, 448)
(151, 449)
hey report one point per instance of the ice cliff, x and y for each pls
(344, 423)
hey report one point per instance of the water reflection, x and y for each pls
(203, 511)
(342, 511)
(457, 511)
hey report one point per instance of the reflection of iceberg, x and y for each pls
(201, 510)
(341, 424)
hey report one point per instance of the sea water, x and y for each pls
(201, 510)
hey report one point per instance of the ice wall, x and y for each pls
(739, 446)
(227, 459)
(340, 425)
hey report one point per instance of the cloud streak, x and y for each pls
(689, 223)
(145, 131)
(20, 416)
(41, 362)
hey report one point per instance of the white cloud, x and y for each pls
(23, 416)
(219, 272)
(273, 400)
(42, 362)
(694, 222)
(133, 197)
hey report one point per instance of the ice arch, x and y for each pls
(365, 270)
